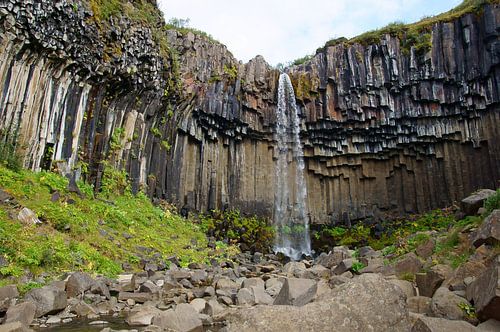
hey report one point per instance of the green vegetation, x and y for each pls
(90, 234)
(492, 203)
(301, 60)
(417, 34)
(8, 152)
(231, 72)
(182, 26)
(231, 227)
(468, 309)
(357, 266)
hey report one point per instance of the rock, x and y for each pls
(419, 304)
(408, 264)
(82, 309)
(466, 271)
(373, 265)
(149, 287)
(226, 283)
(338, 280)
(126, 282)
(261, 296)
(48, 300)
(99, 287)
(489, 231)
(445, 304)
(297, 292)
(273, 286)
(14, 327)
(484, 292)
(335, 257)
(245, 297)
(23, 312)
(184, 318)
(142, 316)
(8, 292)
(198, 305)
(367, 303)
(472, 203)
(491, 325)
(253, 282)
(212, 308)
(406, 287)
(198, 277)
(28, 217)
(137, 297)
(320, 272)
(428, 282)
(53, 320)
(78, 283)
(343, 266)
(426, 249)
(432, 324)
(292, 269)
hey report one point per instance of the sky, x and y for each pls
(283, 31)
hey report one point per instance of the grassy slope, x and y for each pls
(88, 234)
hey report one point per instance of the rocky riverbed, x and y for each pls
(257, 292)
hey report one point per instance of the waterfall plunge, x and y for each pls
(290, 210)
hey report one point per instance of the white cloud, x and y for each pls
(282, 31)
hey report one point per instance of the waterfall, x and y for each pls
(291, 217)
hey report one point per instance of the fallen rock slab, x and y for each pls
(296, 291)
(48, 300)
(367, 303)
(184, 318)
(472, 203)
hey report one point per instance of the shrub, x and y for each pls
(493, 202)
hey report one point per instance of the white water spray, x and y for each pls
(291, 217)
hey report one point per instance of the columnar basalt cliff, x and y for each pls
(385, 131)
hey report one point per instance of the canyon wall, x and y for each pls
(385, 131)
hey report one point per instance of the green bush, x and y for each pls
(492, 203)
(230, 226)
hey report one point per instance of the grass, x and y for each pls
(90, 234)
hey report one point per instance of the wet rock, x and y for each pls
(48, 300)
(23, 312)
(184, 318)
(485, 292)
(433, 324)
(296, 292)
(489, 231)
(382, 306)
(472, 203)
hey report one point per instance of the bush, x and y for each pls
(230, 226)
(9, 156)
(492, 203)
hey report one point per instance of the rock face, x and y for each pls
(471, 204)
(296, 291)
(484, 292)
(48, 300)
(384, 130)
(369, 303)
(489, 232)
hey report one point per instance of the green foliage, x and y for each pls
(231, 72)
(357, 266)
(166, 145)
(156, 132)
(492, 203)
(9, 156)
(468, 309)
(114, 181)
(407, 276)
(115, 143)
(230, 226)
(182, 26)
(301, 60)
(25, 288)
(105, 9)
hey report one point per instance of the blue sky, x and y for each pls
(282, 31)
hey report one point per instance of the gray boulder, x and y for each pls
(48, 300)
(472, 203)
(406, 287)
(408, 264)
(8, 292)
(14, 327)
(446, 304)
(430, 281)
(337, 255)
(491, 325)
(23, 312)
(433, 324)
(419, 304)
(489, 231)
(485, 292)
(343, 266)
(184, 318)
(250, 282)
(142, 316)
(245, 297)
(297, 292)
(367, 303)
(78, 283)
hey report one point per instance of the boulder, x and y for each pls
(245, 297)
(472, 203)
(23, 312)
(78, 283)
(212, 308)
(419, 304)
(198, 305)
(149, 287)
(292, 269)
(337, 255)
(406, 287)
(367, 303)
(261, 296)
(428, 282)
(446, 304)
(297, 292)
(184, 318)
(426, 249)
(142, 315)
(82, 309)
(226, 283)
(28, 217)
(484, 292)
(408, 264)
(433, 324)
(491, 325)
(343, 266)
(319, 272)
(99, 287)
(489, 231)
(8, 292)
(253, 282)
(14, 327)
(137, 297)
(48, 300)
(273, 286)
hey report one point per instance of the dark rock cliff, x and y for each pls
(384, 132)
